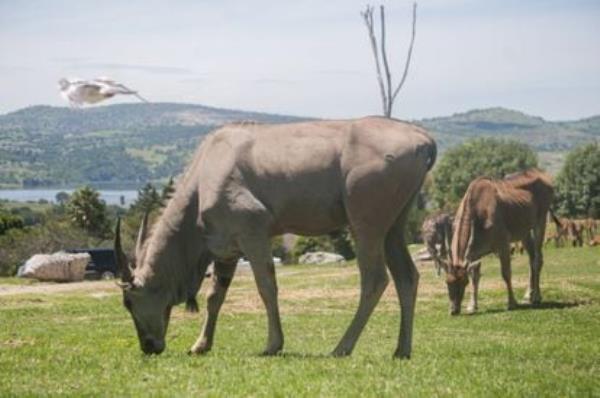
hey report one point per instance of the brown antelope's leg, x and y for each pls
(373, 281)
(258, 252)
(504, 255)
(220, 280)
(433, 252)
(406, 280)
(529, 248)
(536, 265)
(475, 273)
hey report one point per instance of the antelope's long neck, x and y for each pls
(463, 231)
(175, 256)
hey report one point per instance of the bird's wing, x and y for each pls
(112, 88)
(141, 98)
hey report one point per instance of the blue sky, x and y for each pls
(309, 57)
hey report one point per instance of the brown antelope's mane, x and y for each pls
(462, 227)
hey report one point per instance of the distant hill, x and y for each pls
(122, 145)
(126, 145)
(540, 134)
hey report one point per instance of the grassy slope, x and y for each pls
(84, 344)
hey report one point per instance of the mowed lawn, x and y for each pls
(83, 343)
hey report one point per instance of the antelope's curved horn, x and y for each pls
(120, 257)
(143, 232)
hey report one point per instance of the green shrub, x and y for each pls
(578, 183)
(475, 158)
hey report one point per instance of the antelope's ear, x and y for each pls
(475, 264)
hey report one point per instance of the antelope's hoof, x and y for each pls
(402, 356)
(199, 350)
(471, 310)
(269, 352)
(340, 352)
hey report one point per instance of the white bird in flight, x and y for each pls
(79, 92)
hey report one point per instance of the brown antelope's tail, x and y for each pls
(555, 219)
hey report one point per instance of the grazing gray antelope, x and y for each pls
(437, 231)
(249, 182)
(491, 215)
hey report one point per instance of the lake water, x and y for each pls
(111, 197)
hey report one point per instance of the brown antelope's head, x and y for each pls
(456, 280)
(149, 306)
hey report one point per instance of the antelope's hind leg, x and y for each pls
(504, 255)
(406, 281)
(535, 296)
(373, 281)
(220, 281)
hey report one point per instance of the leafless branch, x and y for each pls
(385, 86)
(368, 18)
(386, 66)
(409, 55)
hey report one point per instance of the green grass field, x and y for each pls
(82, 343)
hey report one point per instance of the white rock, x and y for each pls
(242, 262)
(59, 267)
(320, 258)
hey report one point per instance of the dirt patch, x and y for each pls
(53, 288)
(15, 343)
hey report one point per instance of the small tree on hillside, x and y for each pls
(578, 183)
(475, 158)
(62, 198)
(384, 80)
(88, 212)
(148, 200)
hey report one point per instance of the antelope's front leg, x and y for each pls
(475, 273)
(264, 275)
(220, 281)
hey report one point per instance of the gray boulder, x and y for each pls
(58, 267)
(320, 258)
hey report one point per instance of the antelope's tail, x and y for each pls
(555, 219)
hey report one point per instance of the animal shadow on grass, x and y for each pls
(298, 355)
(544, 305)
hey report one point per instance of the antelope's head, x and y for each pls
(149, 306)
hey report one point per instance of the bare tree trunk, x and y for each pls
(385, 86)
(386, 66)
(368, 17)
(410, 50)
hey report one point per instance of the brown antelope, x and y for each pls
(491, 215)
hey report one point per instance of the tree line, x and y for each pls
(82, 219)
